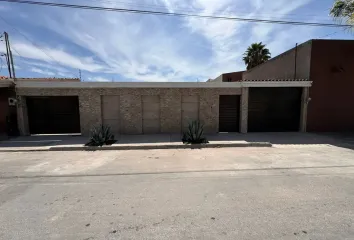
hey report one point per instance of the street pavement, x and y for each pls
(285, 192)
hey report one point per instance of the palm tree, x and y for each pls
(255, 55)
(343, 10)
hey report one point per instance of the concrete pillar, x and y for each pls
(22, 116)
(90, 111)
(209, 111)
(170, 111)
(244, 110)
(131, 113)
(304, 104)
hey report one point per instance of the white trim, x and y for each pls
(277, 84)
(6, 83)
(24, 84)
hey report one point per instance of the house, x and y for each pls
(8, 118)
(8, 108)
(148, 108)
(326, 63)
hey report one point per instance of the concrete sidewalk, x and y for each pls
(124, 142)
(165, 141)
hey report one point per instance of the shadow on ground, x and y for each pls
(345, 140)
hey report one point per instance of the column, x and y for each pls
(244, 110)
(90, 111)
(304, 104)
(22, 116)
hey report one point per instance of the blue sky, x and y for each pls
(108, 46)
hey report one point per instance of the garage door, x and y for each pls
(274, 109)
(53, 115)
(229, 110)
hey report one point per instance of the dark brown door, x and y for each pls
(274, 109)
(229, 113)
(53, 115)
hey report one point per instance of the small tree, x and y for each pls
(255, 55)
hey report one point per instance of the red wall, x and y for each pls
(332, 95)
(7, 112)
(233, 77)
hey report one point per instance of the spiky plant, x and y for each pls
(100, 135)
(194, 133)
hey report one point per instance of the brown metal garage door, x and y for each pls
(229, 110)
(274, 109)
(53, 115)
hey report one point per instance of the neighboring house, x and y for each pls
(329, 64)
(228, 77)
(8, 117)
(8, 109)
(49, 79)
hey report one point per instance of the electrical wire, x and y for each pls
(16, 51)
(333, 33)
(34, 44)
(163, 7)
(111, 9)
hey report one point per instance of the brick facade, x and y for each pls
(130, 101)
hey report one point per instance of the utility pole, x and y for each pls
(9, 58)
(80, 74)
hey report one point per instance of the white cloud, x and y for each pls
(159, 48)
(43, 72)
(57, 56)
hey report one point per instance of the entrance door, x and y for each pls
(53, 115)
(229, 113)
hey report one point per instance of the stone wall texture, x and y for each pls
(123, 108)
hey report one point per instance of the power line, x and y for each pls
(188, 10)
(17, 51)
(333, 33)
(34, 44)
(110, 9)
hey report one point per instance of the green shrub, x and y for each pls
(101, 135)
(194, 134)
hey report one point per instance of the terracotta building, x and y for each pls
(329, 64)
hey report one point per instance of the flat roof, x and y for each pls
(24, 84)
(6, 83)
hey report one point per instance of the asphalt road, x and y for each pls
(292, 203)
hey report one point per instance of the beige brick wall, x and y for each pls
(128, 114)
(151, 114)
(190, 110)
(111, 112)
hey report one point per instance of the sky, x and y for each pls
(111, 46)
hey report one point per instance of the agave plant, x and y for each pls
(100, 135)
(194, 134)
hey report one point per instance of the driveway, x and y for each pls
(284, 192)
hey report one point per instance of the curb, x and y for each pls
(167, 146)
(144, 147)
